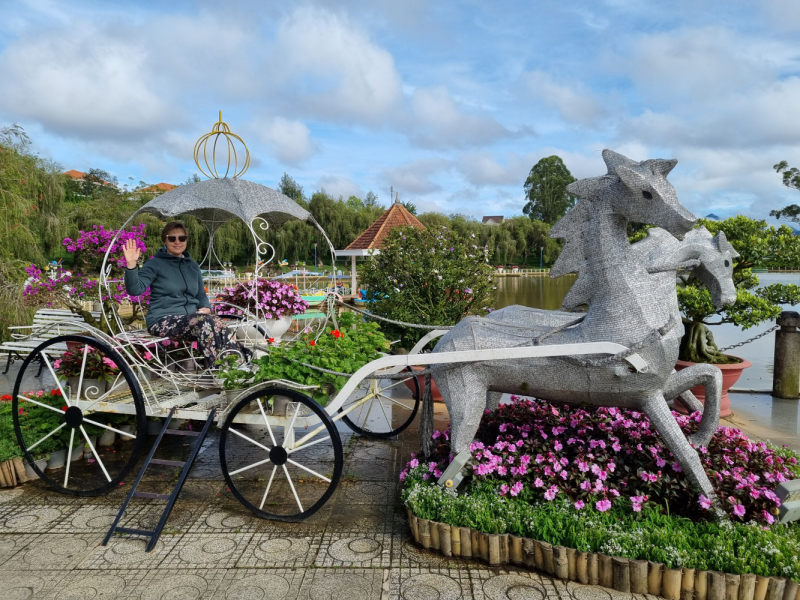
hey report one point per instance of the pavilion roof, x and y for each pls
(395, 216)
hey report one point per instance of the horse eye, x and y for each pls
(647, 195)
(727, 263)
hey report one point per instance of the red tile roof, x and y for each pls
(395, 216)
(75, 174)
(158, 187)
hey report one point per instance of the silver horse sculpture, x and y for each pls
(630, 291)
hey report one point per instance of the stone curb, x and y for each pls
(621, 574)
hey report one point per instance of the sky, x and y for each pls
(448, 103)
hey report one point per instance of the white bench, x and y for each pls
(47, 324)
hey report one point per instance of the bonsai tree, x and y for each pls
(758, 245)
(427, 276)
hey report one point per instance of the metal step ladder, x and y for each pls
(173, 496)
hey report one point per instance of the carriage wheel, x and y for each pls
(56, 415)
(276, 468)
(390, 407)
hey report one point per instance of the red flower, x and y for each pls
(271, 340)
(5, 398)
(56, 392)
(64, 408)
(313, 343)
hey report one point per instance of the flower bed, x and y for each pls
(602, 481)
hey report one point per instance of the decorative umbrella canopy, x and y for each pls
(217, 201)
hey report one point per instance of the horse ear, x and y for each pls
(583, 188)
(664, 166)
(630, 178)
(614, 159)
(724, 245)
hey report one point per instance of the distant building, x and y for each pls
(492, 220)
(80, 175)
(157, 189)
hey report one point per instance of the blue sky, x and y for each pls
(451, 103)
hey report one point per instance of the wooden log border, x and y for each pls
(594, 568)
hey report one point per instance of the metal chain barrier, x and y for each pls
(752, 339)
(393, 322)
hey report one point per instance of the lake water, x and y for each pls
(543, 292)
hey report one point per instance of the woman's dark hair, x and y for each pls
(171, 226)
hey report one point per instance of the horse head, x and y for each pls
(639, 192)
(710, 258)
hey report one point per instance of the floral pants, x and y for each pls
(211, 333)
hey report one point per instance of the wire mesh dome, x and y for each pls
(217, 201)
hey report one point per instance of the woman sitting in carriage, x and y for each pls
(179, 307)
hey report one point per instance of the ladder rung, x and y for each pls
(133, 531)
(151, 495)
(180, 432)
(169, 463)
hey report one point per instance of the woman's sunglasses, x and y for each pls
(177, 238)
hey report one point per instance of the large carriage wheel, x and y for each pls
(44, 420)
(382, 408)
(280, 471)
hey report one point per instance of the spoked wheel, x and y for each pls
(69, 415)
(382, 408)
(281, 468)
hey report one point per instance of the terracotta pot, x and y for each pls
(730, 375)
(437, 396)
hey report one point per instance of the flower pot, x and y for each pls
(107, 438)
(730, 375)
(97, 306)
(187, 365)
(91, 389)
(176, 423)
(154, 427)
(41, 464)
(127, 428)
(77, 453)
(273, 328)
(230, 395)
(279, 405)
(437, 395)
(87, 449)
(57, 459)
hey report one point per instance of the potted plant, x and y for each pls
(757, 245)
(233, 377)
(273, 302)
(99, 370)
(344, 350)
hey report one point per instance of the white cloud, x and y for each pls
(290, 140)
(339, 185)
(82, 82)
(573, 103)
(415, 177)
(439, 122)
(334, 68)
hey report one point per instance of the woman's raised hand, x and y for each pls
(131, 253)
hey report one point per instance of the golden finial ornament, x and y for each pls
(221, 129)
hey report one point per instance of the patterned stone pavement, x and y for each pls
(357, 547)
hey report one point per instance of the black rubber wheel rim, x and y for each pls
(268, 477)
(390, 416)
(107, 468)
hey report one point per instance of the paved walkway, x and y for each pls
(357, 547)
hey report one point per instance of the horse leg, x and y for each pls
(493, 400)
(658, 412)
(711, 379)
(464, 393)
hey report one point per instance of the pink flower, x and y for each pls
(57, 364)
(738, 510)
(516, 488)
(551, 493)
(538, 482)
(603, 505)
(194, 345)
(414, 463)
(503, 489)
(579, 504)
(586, 486)
(767, 517)
(110, 363)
